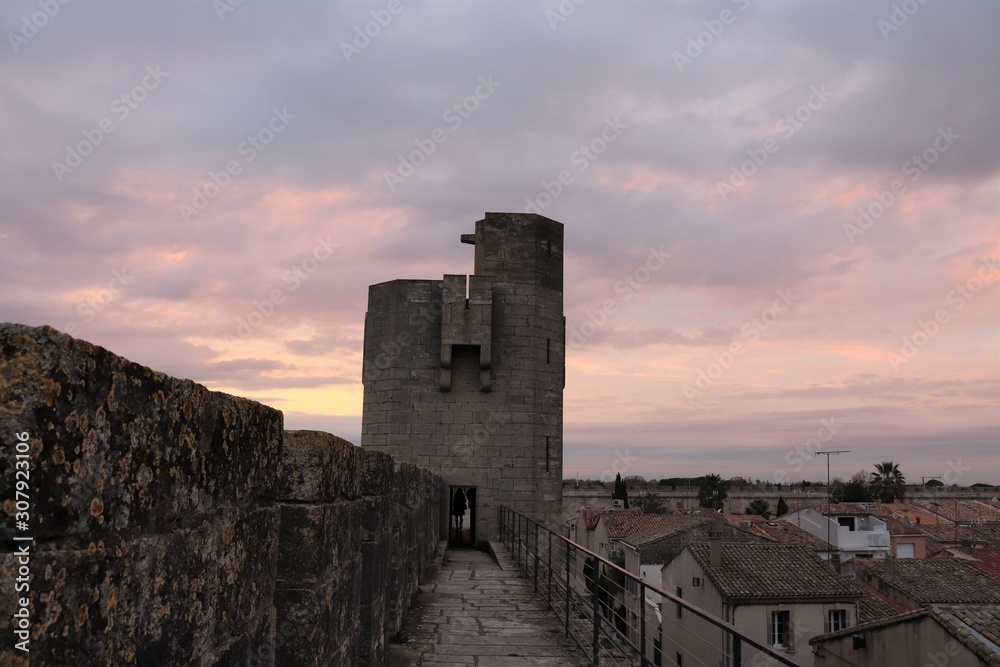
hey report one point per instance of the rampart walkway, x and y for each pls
(476, 613)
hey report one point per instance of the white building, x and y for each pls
(851, 533)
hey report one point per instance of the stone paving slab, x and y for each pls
(478, 613)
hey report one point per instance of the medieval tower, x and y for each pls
(465, 375)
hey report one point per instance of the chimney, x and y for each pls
(890, 567)
(835, 562)
(715, 542)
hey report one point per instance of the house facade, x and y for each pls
(780, 595)
(946, 636)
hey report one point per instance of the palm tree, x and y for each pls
(760, 507)
(713, 492)
(887, 482)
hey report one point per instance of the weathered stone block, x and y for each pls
(151, 506)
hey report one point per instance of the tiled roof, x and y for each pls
(849, 509)
(592, 516)
(951, 533)
(761, 571)
(966, 511)
(908, 513)
(673, 525)
(976, 626)
(876, 606)
(623, 524)
(784, 532)
(934, 581)
(988, 559)
(779, 531)
(897, 527)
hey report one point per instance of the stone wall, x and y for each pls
(357, 531)
(175, 525)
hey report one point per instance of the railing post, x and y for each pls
(597, 634)
(520, 542)
(567, 589)
(536, 557)
(548, 574)
(524, 563)
(737, 651)
(642, 623)
(520, 538)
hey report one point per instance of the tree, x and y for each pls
(782, 507)
(651, 504)
(854, 491)
(620, 492)
(887, 482)
(713, 491)
(759, 507)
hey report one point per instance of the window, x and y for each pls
(680, 594)
(836, 620)
(904, 551)
(846, 522)
(781, 630)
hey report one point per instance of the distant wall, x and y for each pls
(175, 525)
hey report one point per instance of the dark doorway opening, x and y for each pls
(462, 517)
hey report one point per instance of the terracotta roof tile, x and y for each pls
(934, 581)
(976, 626)
(773, 571)
(622, 524)
(987, 558)
(875, 605)
(953, 533)
(965, 511)
(673, 525)
(592, 516)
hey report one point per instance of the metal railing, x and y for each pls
(616, 617)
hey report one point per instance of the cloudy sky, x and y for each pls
(781, 217)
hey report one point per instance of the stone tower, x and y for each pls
(465, 375)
